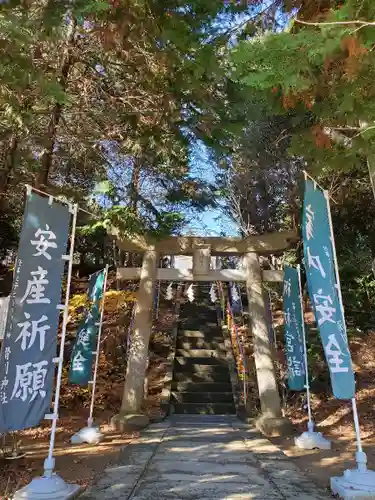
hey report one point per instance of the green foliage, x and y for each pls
(325, 72)
(130, 223)
(139, 76)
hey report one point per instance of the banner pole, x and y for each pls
(97, 353)
(339, 293)
(51, 197)
(310, 424)
(49, 463)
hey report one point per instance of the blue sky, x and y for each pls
(213, 221)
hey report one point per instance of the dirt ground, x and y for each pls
(321, 465)
(75, 463)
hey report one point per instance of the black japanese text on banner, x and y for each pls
(26, 364)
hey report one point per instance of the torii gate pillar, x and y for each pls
(271, 421)
(130, 412)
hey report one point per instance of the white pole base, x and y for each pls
(47, 488)
(354, 485)
(90, 435)
(311, 440)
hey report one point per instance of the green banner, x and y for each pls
(323, 290)
(81, 359)
(293, 333)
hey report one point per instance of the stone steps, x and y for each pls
(201, 380)
(193, 343)
(183, 363)
(202, 334)
(205, 409)
(202, 397)
(201, 354)
(202, 377)
(203, 387)
(203, 325)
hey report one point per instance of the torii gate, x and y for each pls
(201, 248)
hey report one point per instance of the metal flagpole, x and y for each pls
(310, 425)
(49, 463)
(361, 463)
(310, 439)
(51, 197)
(97, 352)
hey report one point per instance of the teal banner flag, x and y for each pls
(293, 317)
(27, 368)
(323, 290)
(82, 355)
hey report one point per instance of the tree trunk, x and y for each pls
(134, 185)
(6, 171)
(371, 171)
(67, 63)
(134, 195)
(372, 246)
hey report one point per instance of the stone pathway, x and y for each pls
(205, 458)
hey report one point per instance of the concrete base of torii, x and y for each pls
(129, 421)
(274, 426)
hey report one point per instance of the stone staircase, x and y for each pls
(201, 380)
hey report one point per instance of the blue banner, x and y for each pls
(86, 340)
(293, 333)
(321, 279)
(27, 368)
